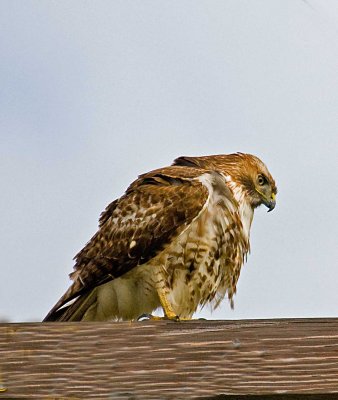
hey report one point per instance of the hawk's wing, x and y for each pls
(155, 209)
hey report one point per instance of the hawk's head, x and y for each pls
(244, 171)
(257, 183)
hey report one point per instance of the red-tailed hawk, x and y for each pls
(177, 239)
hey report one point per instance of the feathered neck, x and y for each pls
(245, 210)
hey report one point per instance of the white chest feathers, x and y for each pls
(204, 262)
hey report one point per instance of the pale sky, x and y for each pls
(94, 93)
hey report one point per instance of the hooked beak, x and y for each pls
(270, 203)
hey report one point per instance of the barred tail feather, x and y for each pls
(75, 311)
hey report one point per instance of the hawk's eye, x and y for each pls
(261, 180)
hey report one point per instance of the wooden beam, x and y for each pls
(271, 359)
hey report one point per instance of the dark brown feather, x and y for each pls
(154, 209)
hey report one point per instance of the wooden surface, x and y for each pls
(168, 360)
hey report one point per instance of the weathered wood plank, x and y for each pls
(163, 360)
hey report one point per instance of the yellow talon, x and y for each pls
(167, 308)
(151, 317)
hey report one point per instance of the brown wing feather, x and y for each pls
(136, 227)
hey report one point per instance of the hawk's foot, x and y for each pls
(175, 318)
(146, 317)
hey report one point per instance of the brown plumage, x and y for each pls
(177, 238)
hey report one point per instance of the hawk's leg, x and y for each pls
(167, 308)
(169, 313)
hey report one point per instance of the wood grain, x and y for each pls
(168, 360)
